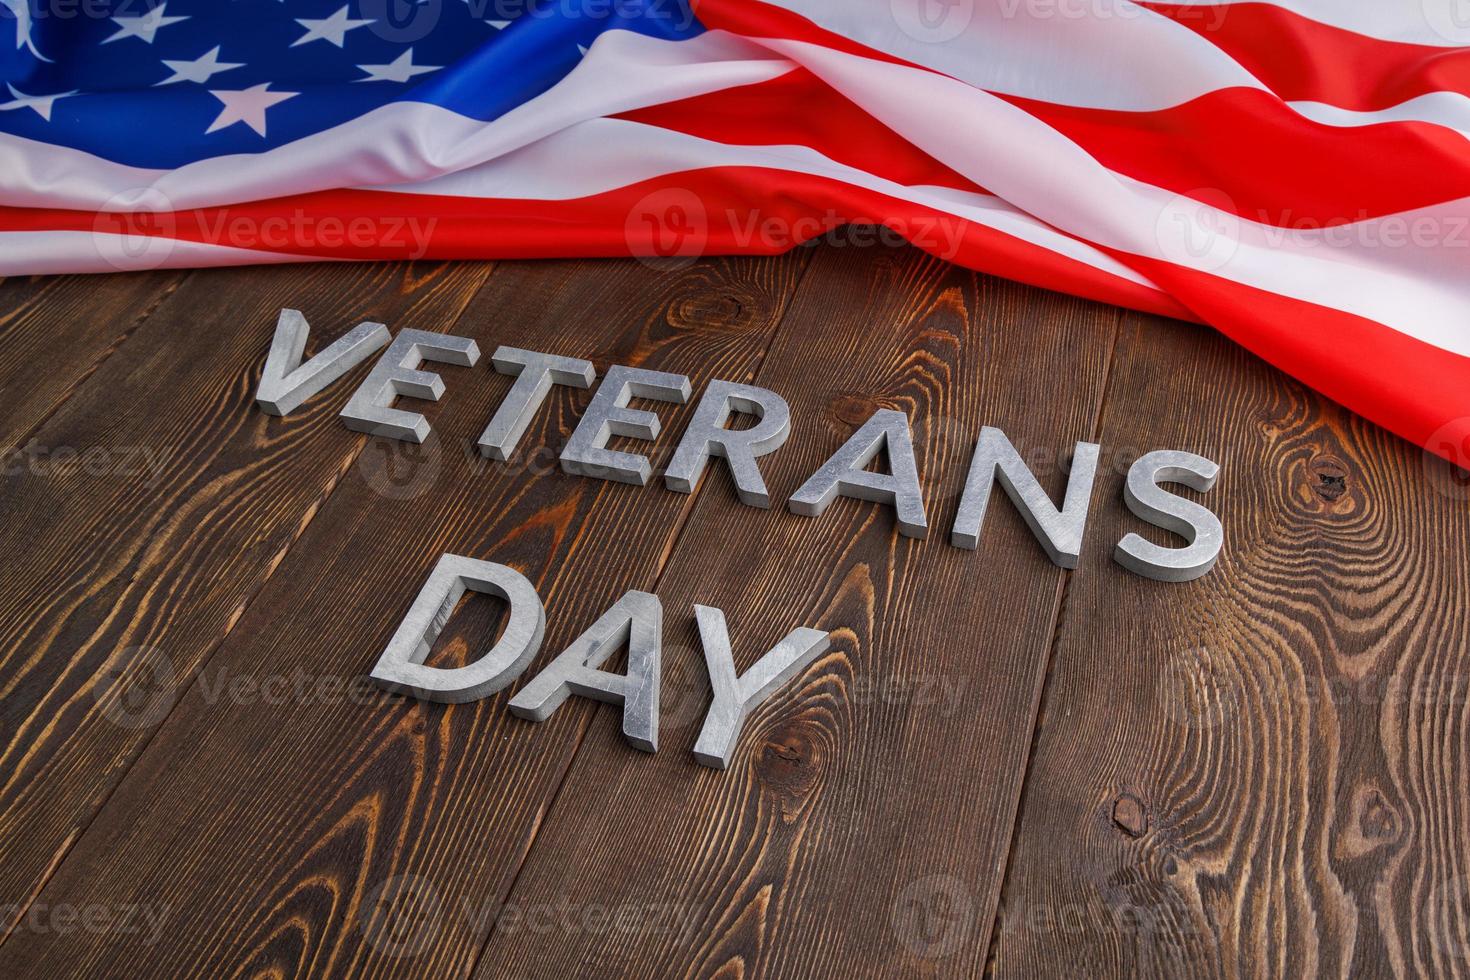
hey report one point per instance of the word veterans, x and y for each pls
(287, 382)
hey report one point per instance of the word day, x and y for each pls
(287, 381)
(635, 621)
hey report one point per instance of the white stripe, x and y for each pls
(37, 253)
(629, 153)
(412, 142)
(1440, 23)
(1412, 287)
(1092, 54)
(1448, 109)
(402, 141)
(1100, 54)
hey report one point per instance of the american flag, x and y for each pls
(1294, 173)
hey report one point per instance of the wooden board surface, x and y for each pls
(1000, 767)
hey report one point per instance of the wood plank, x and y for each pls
(130, 561)
(886, 779)
(55, 330)
(263, 827)
(1261, 772)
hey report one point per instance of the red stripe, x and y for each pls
(724, 210)
(1302, 60)
(1274, 165)
(1405, 385)
(828, 122)
(1244, 145)
(755, 20)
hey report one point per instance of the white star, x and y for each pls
(247, 106)
(21, 11)
(198, 70)
(41, 103)
(143, 27)
(332, 29)
(400, 69)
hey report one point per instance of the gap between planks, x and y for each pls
(279, 559)
(685, 513)
(992, 935)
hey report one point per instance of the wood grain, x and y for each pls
(269, 829)
(55, 330)
(1260, 773)
(135, 546)
(863, 822)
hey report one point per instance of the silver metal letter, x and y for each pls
(1059, 531)
(286, 382)
(707, 436)
(736, 697)
(844, 474)
(636, 620)
(396, 373)
(536, 373)
(609, 415)
(401, 666)
(1189, 520)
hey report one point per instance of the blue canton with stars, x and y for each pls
(160, 84)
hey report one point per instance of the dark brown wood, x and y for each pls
(55, 330)
(1261, 772)
(876, 795)
(128, 561)
(268, 829)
